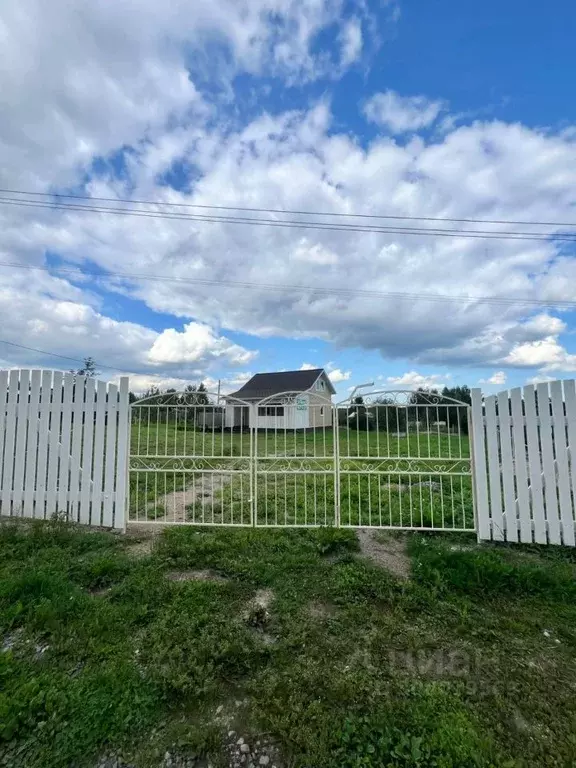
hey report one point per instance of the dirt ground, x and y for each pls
(386, 550)
(201, 494)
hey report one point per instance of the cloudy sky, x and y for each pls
(394, 109)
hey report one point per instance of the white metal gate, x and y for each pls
(404, 461)
(191, 460)
(386, 459)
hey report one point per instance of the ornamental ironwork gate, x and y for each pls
(385, 459)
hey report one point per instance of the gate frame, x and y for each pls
(444, 401)
(222, 401)
(254, 457)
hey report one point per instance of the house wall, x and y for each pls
(320, 410)
(294, 417)
(311, 411)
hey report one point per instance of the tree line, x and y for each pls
(418, 413)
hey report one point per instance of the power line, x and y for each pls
(286, 211)
(498, 300)
(296, 224)
(54, 354)
(77, 360)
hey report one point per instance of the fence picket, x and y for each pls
(520, 467)
(535, 465)
(480, 477)
(96, 514)
(86, 481)
(550, 498)
(570, 400)
(43, 433)
(561, 453)
(110, 457)
(120, 511)
(3, 405)
(32, 445)
(507, 466)
(494, 473)
(54, 445)
(9, 444)
(76, 450)
(64, 464)
(21, 433)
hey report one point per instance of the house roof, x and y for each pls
(263, 385)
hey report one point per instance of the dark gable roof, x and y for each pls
(265, 384)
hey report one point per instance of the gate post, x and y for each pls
(252, 416)
(336, 453)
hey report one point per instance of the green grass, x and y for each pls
(471, 663)
(294, 480)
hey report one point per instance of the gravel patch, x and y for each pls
(195, 576)
(389, 554)
(319, 610)
(141, 548)
(243, 752)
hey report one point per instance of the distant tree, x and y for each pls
(89, 369)
(390, 417)
(422, 408)
(199, 392)
(456, 416)
(462, 393)
(359, 417)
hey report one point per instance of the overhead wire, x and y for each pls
(77, 360)
(246, 209)
(294, 224)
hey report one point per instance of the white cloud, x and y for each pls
(314, 253)
(498, 378)
(539, 379)
(415, 380)
(351, 39)
(547, 353)
(197, 344)
(66, 325)
(307, 367)
(116, 77)
(337, 375)
(401, 114)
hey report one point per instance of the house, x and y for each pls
(283, 400)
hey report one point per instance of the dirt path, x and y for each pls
(201, 494)
(389, 552)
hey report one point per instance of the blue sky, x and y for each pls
(404, 108)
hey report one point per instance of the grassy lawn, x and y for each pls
(110, 649)
(386, 479)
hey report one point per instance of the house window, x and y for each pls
(322, 411)
(320, 385)
(271, 410)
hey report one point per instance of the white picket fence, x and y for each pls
(63, 447)
(524, 452)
